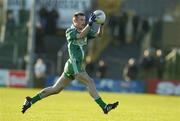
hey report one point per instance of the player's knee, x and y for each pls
(84, 79)
(90, 81)
(58, 89)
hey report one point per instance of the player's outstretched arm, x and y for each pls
(100, 31)
(84, 32)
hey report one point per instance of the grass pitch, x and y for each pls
(79, 106)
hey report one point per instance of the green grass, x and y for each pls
(78, 106)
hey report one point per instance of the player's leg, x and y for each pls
(89, 82)
(81, 75)
(85, 78)
(60, 84)
(55, 89)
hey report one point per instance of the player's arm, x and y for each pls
(85, 31)
(100, 31)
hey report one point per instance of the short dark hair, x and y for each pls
(78, 14)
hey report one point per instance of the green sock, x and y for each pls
(100, 102)
(36, 98)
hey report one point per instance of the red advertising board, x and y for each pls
(152, 85)
(163, 87)
(17, 78)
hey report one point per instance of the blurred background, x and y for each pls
(139, 52)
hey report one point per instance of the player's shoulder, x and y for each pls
(70, 29)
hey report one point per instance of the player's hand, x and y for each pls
(92, 19)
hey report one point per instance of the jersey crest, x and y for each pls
(80, 42)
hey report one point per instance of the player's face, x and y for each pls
(80, 22)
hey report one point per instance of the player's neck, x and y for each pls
(78, 29)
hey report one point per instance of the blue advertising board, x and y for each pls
(107, 85)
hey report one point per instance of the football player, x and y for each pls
(77, 36)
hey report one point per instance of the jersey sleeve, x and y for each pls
(71, 34)
(91, 34)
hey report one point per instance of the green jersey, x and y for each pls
(77, 50)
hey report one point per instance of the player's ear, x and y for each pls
(74, 20)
